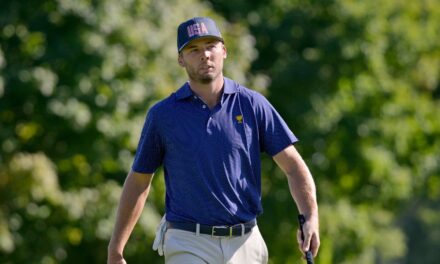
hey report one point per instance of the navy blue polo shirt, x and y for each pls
(211, 158)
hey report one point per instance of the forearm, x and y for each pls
(131, 204)
(303, 190)
(300, 180)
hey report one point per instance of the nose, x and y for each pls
(206, 54)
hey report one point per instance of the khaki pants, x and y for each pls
(183, 247)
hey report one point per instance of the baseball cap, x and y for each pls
(195, 28)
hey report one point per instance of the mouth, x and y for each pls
(206, 67)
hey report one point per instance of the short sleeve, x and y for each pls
(274, 133)
(149, 153)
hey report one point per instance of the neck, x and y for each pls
(211, 92)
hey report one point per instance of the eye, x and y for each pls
(211, 46)
(193, 50)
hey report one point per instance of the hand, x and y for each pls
(311, 235)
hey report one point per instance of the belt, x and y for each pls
(215, 231)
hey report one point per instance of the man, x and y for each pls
(208, 136)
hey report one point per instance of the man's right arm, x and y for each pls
(133, 197)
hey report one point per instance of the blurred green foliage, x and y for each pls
(358, 83)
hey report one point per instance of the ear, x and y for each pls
(180, 60)
(225, 52)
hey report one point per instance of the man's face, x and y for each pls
(203, 59)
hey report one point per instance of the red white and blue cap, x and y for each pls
(195, 28)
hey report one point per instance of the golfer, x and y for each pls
(208, 136)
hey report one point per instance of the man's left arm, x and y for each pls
(303, 190)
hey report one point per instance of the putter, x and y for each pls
(308, 254)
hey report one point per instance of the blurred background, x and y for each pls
(357, 82)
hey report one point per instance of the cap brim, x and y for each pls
(200, 37)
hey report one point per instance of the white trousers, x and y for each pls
(183, 247)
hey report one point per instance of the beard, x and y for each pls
(205, 78)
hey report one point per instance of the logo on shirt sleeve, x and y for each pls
(239, 119)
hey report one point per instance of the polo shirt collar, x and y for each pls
(184, 92)
(229, 87)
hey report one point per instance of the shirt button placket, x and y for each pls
(208, 125)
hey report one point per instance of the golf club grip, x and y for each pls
(309, 257)
(308, 254)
